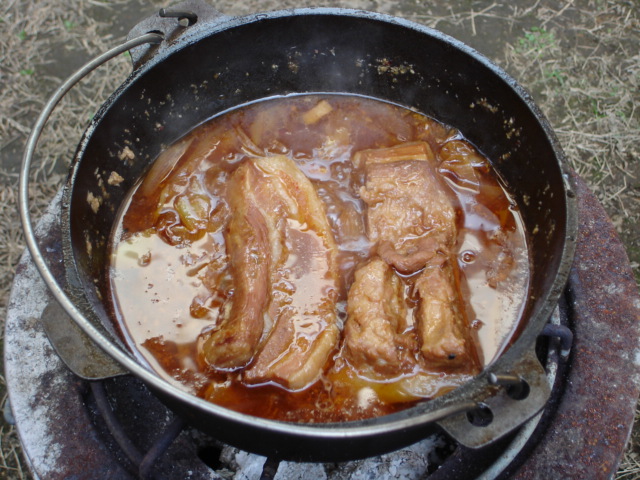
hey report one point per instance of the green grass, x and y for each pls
(537, 39)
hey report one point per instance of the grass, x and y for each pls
(536, 41)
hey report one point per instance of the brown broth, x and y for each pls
(168, 273)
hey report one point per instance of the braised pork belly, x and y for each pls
(411, 218)
(319, 258)
(278, 236)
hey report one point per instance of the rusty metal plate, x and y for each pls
(589, 429)
(47, 399)
(508, 413)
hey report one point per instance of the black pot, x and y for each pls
(217, 64)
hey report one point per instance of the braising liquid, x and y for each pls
(170, 277)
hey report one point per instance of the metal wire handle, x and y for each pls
(25, 215)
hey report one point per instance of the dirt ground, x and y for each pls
(579, 59)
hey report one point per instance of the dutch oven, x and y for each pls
(190, 68)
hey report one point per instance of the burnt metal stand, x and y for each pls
(582, 432)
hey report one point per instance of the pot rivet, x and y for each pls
(185, 19)
(516, 387)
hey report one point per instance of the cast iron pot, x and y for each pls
(212, 63)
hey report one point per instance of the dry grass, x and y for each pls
(580, 59)
(590, 76)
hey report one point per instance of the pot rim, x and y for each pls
(425, 412)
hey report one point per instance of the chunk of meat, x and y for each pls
(411, 219)
(377, 332)
(423, 251)
(278, 237)
(305, 330)
(420, 151)
(233, 342)
(295, 353)
(409, 213)
(442, 327)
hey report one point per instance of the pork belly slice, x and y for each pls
(304, 284)
(294, 354)
(420, 151)
(231, 344)
(443, 330)
(282, 318)
(377, 336)
(410, 215)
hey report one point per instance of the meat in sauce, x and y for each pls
(411, 219)
(319, 258)
(278, 234)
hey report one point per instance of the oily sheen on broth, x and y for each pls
(319, 258)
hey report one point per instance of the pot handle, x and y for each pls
(110, 352)
(508, 400)
(76, 350)
(182, 20)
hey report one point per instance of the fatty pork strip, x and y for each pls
(296, 322)
(411, 219)
(233, 341)
(442, 326)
